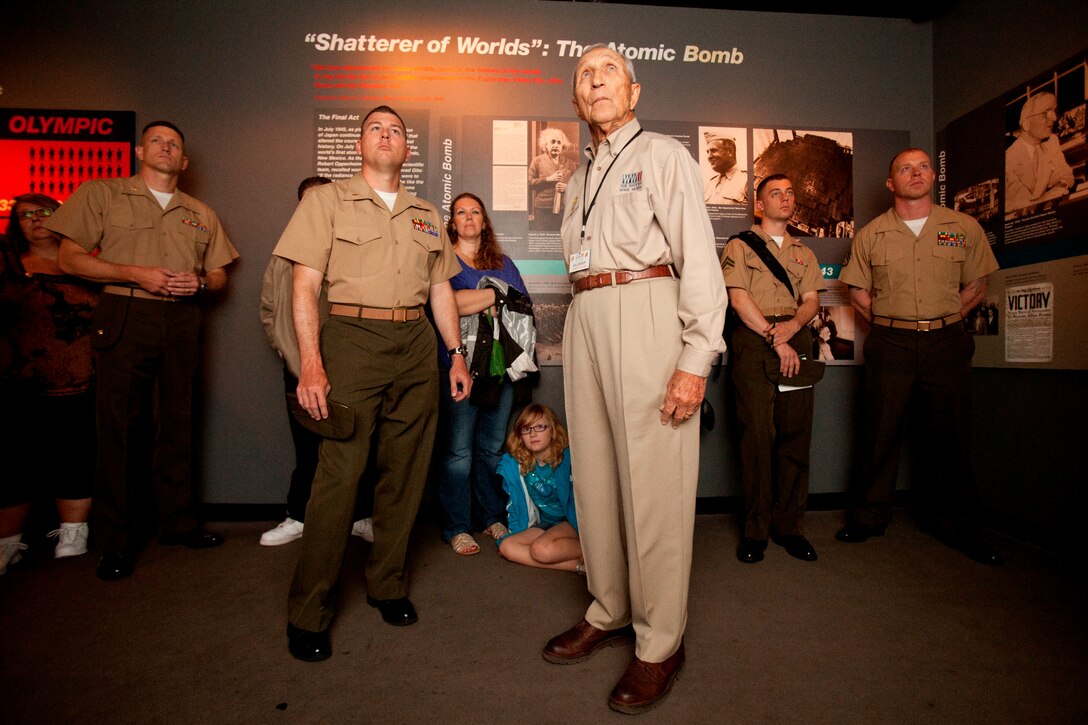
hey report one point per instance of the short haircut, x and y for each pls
(768, 179)
(310, 182)
(626, 61)
(891, 164)
(381, 109)
(165, 124)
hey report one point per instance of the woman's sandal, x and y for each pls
(464, 544)
(497, 530)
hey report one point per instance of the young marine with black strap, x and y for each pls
(774, 285)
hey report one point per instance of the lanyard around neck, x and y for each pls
(585, 186)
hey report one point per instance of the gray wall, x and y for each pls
(1030, 425)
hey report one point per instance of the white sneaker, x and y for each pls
(71, 539)
(364, 529)
(285, 532)
(11, 551)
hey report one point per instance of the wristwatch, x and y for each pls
(203, 285)
(459, 350)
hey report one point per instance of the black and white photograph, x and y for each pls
(982, 320)
(1045, 147)
(982, 201)
(555, 159)
(833, 334)
(820, 164)
(723, 158)
(550, 311)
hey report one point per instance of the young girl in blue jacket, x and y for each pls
(536, 477)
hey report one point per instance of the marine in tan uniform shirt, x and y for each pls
(156, 256)
(776, 425)
(916, 288)
(377, 355)
(635, 360)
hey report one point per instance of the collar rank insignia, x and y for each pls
(951, 239)
(422, 225)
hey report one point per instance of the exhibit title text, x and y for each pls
(464, 45)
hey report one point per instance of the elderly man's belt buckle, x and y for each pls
(926, 325)
(621, 277)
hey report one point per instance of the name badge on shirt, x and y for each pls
(579, 261)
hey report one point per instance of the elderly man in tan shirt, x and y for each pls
(643, 330)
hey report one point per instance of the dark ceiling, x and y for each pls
(918, 12)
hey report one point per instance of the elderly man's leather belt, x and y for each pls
(141, 294)
(917, 325)
(395, 314)
(623, 276)
(778, 312)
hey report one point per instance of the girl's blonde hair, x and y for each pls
(529, 416)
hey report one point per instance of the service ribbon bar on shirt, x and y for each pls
(951, 239)
(422, 225)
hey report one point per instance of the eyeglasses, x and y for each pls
(31, 213)
(538, 428)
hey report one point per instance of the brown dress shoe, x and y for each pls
(582, 640)
(645, 684)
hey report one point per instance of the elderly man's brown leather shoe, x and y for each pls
(582, 640)
(645, 684)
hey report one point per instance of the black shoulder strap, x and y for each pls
(757, 245)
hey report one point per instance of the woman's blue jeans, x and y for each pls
(473, 443)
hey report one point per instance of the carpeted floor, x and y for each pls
(896, 630)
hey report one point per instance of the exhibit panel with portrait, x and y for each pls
(1045, 147)
(1018, 164)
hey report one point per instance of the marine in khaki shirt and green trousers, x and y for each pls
(916, 285)
(157, 250)
(383, 259)
(772, 327)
